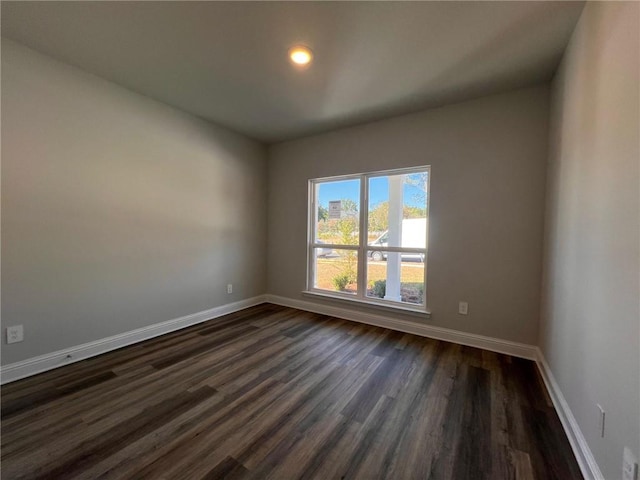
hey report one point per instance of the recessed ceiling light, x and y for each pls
(300, 55)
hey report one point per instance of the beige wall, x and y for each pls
(488, 160)
(590, 320)
(118, 212)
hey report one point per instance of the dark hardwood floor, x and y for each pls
(273, 392)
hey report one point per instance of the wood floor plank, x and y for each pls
(228, 469)
(473, 455)
(385, 457)
(271, 392)
(522, 465)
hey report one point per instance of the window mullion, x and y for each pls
(362, 251)
(337, 246)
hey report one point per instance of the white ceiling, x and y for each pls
(227, 61)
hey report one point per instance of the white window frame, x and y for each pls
(363, 246)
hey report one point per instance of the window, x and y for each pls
(368, 237)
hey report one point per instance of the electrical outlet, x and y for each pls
(229, 288)
(15, 334)
(463, 308)
(629, 465)
(601, 420)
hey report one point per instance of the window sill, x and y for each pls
(375, 305)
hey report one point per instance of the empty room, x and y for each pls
(320, 240)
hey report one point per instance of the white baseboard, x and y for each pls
(487, 343)
(42, 363)
(581, 450)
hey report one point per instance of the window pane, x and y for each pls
(336, 270)
(338, 215)
(407, 285)
(398, 210)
